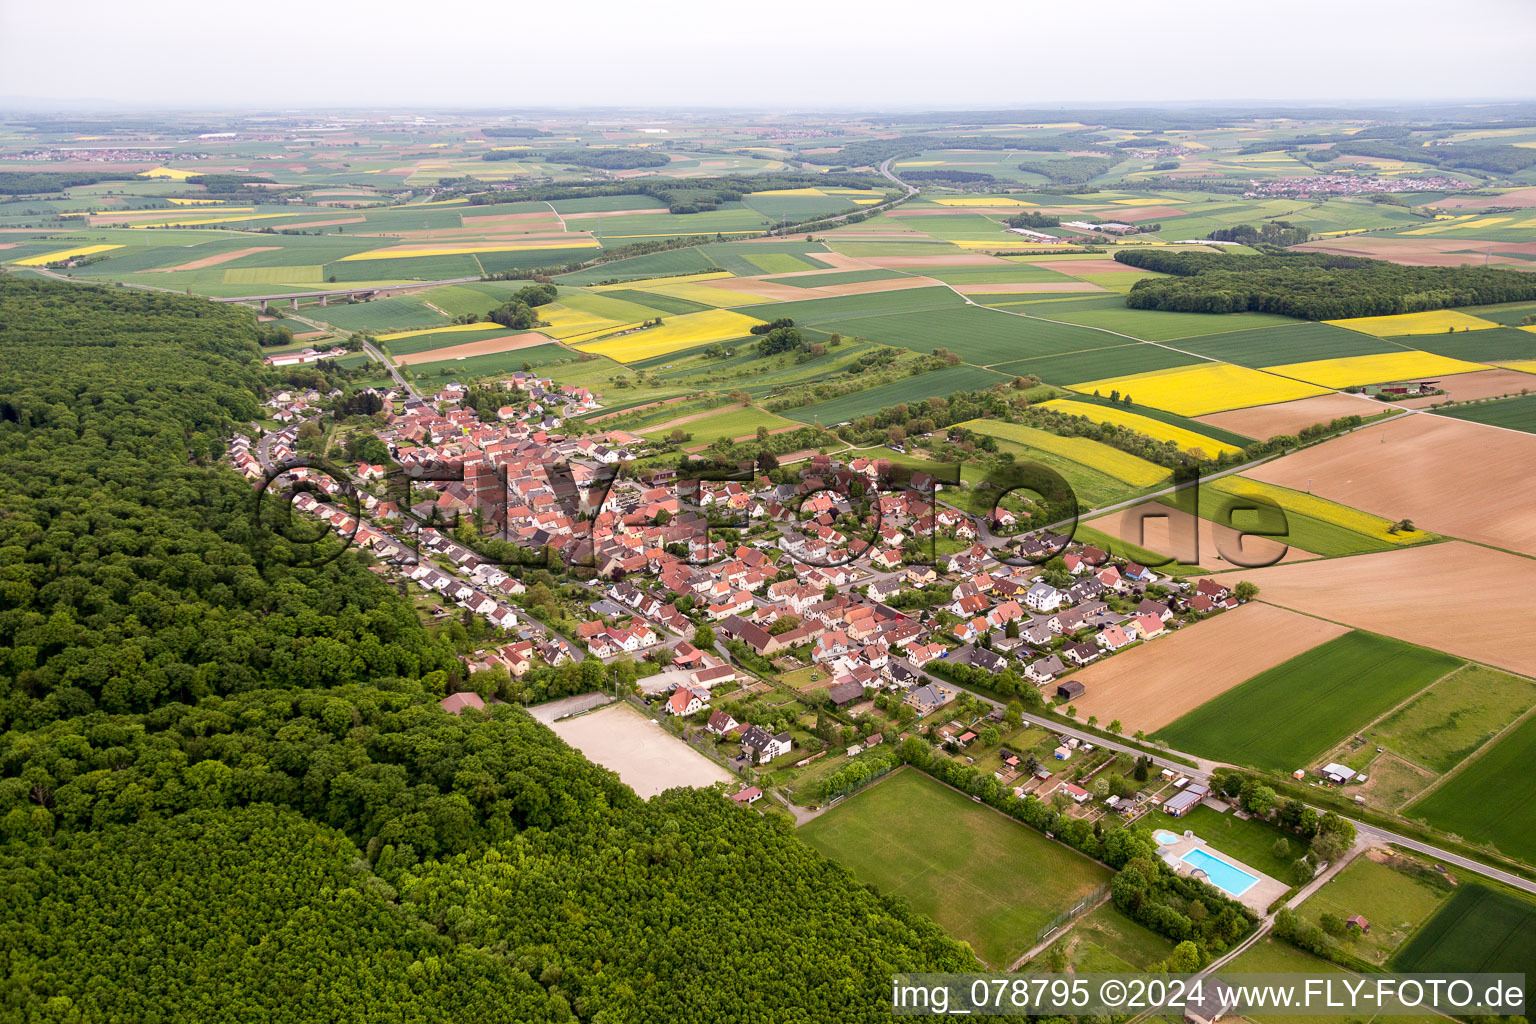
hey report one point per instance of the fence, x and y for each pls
(1064, 918)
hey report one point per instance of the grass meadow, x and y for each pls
(1284, 718)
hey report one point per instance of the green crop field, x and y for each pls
(843, 308)
(976, 334)
(1116, 358)
(1514, 413)
(1480, 930)
(660, 303)
(440, 339)
(1510, 314)
(1395, 902)
(471, 367)
(1289, 343)
(837, 277)
(983, 877)
(403, 312)
(1301, 531)
(1491, 798)
(942, 383)
(656, 264)
(1155, 325)
(1477, 346)
(1450, 721)
(1285, 717)
(726, 423)
(778, 263)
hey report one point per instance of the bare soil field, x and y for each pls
(1451, 476)
(756, 286)
(649, 759)
(1087, 267)
(1019, 287)
(1463, 387)
(1425, 595)
(611, 213)
(213, 261)
(1151, 685)
(1168, 532)
(1517, 197)
(1265, 421)
(1424, 252)
(836, 261)
(486, 347)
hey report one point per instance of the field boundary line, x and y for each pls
(1477, 755)
(1404, 703)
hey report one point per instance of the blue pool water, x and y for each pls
(1224, 876)
(1165, 838)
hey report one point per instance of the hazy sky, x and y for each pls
(788, 54)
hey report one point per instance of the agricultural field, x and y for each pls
(675, 334)
(1093, 454)
(1290, 343)
(941, 383)
(1451, 721)
(1312, 523)
(1440, 321)
(1356, 370)
(1284, 718)
(1462, 803)
(1202, 389)
(1511, 413)
(985, 878)
(1186, 440)
(1480, 928)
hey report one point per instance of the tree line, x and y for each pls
(1312, 285)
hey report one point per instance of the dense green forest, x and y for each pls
(21, 183)
(1312, 285)
(693, 195)
(227, 790)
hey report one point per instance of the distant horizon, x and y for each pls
(990, 55)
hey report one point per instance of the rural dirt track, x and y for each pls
(1265, 421)
(213, 261)
(694, 417)
(1020, 287)
(1168, 533)
(1458, 478)
(1461, 598)
(1151, 685)
(485, 347)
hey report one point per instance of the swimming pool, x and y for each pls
(1230, 880)
(1166, 838)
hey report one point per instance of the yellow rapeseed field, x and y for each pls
(1188, 440)
(167, 172)
(708, 296)
(64, 254)
(193, 221)
(1523, 365)
(1093, 454)
(1377, 369)
(1203, 388)
(450, 329)
(412, 252)
(1435, 321)
(193, 202)
(675, 333)
(1318, 508)
(564, 322)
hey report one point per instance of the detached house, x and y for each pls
(764, 745)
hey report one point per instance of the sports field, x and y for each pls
(983, 877)
(1491, 798)
(1481, 929)
(1284, 718)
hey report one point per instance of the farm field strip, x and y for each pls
(1093, 454)
(1205, 388)
(1187, 440)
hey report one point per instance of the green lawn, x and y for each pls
(1248, 839)
(1286, 717)
(1271, 956)
(985, 878)
(1480, 929)
(1492, 798)
(1447, 723)
(1395, 902)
